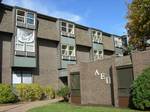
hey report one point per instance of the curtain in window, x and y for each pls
(25, 40)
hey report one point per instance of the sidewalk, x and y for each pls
(26, 106)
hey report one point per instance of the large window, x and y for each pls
(25, 17)
(21, 77)
(97, 36)
(25, 40)
(67, 51)
(67, 27)
(118, 42)
(98, 54)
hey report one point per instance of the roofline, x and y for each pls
(40, 15)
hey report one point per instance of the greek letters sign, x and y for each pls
(103, 76)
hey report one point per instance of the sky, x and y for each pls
(106, 15)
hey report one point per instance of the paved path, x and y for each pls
(26, 106)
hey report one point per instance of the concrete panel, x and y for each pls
(119, 51)
(98, 46)
(67, 40)
(65, 63)
(24, 62)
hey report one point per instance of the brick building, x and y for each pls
(36, 48)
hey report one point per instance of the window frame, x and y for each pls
(67, 27)
(97, 36)
(118, 42)
(67, 50)
(24, 44)
(21, 73)
(25, 17)
(96, 55)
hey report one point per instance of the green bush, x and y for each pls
(6, 94)
(140, 90)
(64, 92)
(29, 92)
(49, 92)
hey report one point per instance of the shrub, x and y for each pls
(29, 92)
(140, 90)
(6, 94)
(49, 92)
(64, 92)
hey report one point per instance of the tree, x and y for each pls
(138, 25)
(140, 90)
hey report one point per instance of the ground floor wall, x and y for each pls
(46, 72)
(98, 83)
(5, 57)
(123, 70)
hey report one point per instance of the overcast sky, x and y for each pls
(106, 15)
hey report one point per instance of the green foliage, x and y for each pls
(141, 90)
(64, 92)
(6, 94)
(49, 92)
(29, 92)
(138, 25)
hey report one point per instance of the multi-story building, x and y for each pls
(36, 48)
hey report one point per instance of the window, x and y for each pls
(67, 27)
(64, 26)
(97, 36)
(21, 16)
(30, 18)
(21, 77)
(25, 17)
(24, 40)
(68, 50)
(64, 50)
(98, 54)
(118, 42)
(71, 51)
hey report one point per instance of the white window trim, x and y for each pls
(30, 18)
(21, 78)
(67, 27)
(96, 37)
(98, 56)
(25, 17)
(118, 42)
(25, 44)
(67, 51)
(20, 16)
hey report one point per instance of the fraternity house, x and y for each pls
(36, 48)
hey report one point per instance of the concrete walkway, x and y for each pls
(26, 106)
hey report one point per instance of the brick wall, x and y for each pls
(140, 61)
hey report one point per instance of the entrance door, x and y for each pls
(75, 88)
(125, 78)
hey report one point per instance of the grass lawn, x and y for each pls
(65, 107)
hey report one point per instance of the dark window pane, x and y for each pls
(20, 13)
(30, 15)
(30, 21)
